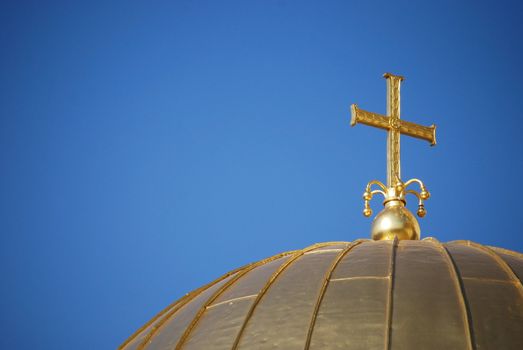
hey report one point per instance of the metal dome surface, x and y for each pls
(360, 295)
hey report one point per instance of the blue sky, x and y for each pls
(147, 148)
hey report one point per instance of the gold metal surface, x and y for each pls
(396, 190)
(159, 321)
(494, 298)
(422, 286)
(460, 295)
(266, 287)
(326, 281)
(353, 311)
(142, 336)
(367, 294)
(281, 318)
(390, 296)
(230, 308)
(395, 221)
(209, 302)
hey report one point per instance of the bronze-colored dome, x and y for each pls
(360, 295)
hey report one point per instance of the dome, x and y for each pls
(365, 294)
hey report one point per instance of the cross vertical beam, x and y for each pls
(393, 137)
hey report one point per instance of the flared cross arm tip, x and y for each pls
(390, 75)
(433, 142)
(353, 113)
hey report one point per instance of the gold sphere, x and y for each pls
(367, 196)
(424, 194)
(395, 220)
(367, 212)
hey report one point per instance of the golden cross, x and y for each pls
(395, 127)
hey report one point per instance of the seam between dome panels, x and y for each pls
(231, 300)
(460, 290)
(190, 296)
(360, 278)
(491, 280)
(145, 343)
(212, 298)
(503, 264)
(172, 309)
(152, 320)
(321, 251)
(267, 285)
(323, 289)
(392, 266)
(505, 251)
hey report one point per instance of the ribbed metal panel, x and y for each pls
(360, 295)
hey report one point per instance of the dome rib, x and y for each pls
(215, 296)
(510, 258)
(465, 308)
(135, 336)
(185, 300)
(493, 296)
(390, 297)
(269, 283)
(506, 251)
(324, 286)
(502, 263)
(168, 312)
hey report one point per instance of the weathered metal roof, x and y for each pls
(360, 295)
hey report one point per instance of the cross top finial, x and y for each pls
(395, 219)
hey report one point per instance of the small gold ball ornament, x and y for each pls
(421, 211)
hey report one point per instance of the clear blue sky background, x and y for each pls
(148, 147)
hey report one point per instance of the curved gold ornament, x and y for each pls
(394, 220)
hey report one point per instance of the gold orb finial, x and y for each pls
(394, 220)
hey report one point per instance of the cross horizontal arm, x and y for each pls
(360, 116)
(427, 133)
(368, 118)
